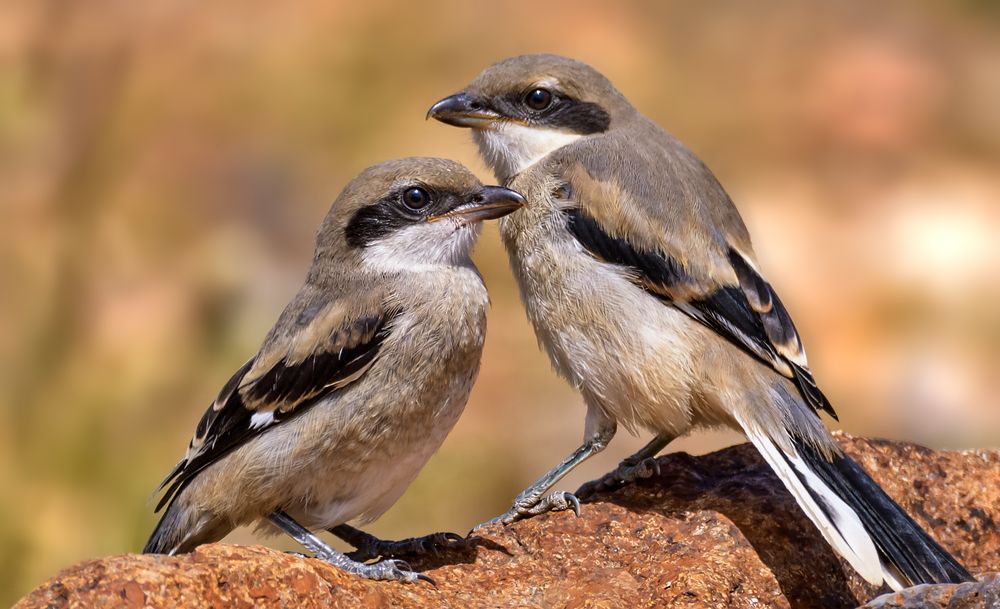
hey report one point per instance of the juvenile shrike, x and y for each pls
(639, 278)
(360, 380)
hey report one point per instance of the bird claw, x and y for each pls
(525, 507)
(626, 473)
(427, 578)
(557, 502)
(386, 570)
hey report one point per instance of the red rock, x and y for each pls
(711, 531)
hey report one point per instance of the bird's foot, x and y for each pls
(370, 546)
(627, 472)
(386, 570)
(527, 505)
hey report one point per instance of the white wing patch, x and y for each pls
(261, 419)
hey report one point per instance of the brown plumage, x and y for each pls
(363, 375)
(639, 277)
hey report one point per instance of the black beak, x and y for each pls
(490, 203)
(461, 110)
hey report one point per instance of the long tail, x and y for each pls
(857, 518)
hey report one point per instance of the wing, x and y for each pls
(702, 270)
(314, 351)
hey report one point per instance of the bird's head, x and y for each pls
(410, 214)
(521, 109)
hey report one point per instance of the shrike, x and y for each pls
(639, 278)
(360, 380)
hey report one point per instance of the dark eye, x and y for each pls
(416, 198)
(538, 99)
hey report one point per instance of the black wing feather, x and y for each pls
(755, 326)
(654, 267)
(227, 424)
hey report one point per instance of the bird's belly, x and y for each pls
(612, 340)
(364, 478)
(347, 457)
(365, 493)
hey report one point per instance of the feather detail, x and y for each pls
(748, 314)
(836, 521)
(260, 396)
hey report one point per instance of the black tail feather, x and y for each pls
(902, 544)
(163, 539)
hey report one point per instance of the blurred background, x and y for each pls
(165, 166)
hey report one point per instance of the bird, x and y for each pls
(639, 277)
(365, 372)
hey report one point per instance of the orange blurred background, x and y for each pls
(165, 166)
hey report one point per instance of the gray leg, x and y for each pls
(640, 465)
(395, 570)
(533, 501)
(368, 546)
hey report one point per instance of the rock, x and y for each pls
(984, 594)
(712, 531)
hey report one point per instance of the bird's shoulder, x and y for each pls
(644, 186)
(320, 323)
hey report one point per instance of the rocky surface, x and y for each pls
(973, 595)
(711, 531)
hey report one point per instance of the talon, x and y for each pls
(574, 503)
(481, 525)
(453, 537)
(427, 579)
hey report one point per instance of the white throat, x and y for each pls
(509, 148)
(425, 246)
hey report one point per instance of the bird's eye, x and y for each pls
(538, 99)
(416, 198)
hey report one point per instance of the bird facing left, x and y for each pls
(357, 384)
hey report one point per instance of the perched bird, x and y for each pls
(360, 380)
(639, 278)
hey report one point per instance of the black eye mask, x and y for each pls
(563, 113)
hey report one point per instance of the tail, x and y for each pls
(166, 538)
(879, 540)
(181, 529)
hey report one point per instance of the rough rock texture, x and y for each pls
(711, 531)
(973, 595)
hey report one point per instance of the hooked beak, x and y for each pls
(490, 203)
(461, 110)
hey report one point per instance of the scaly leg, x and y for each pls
(533, 500)
(640, 465)
(395, 570)
(368, 546)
